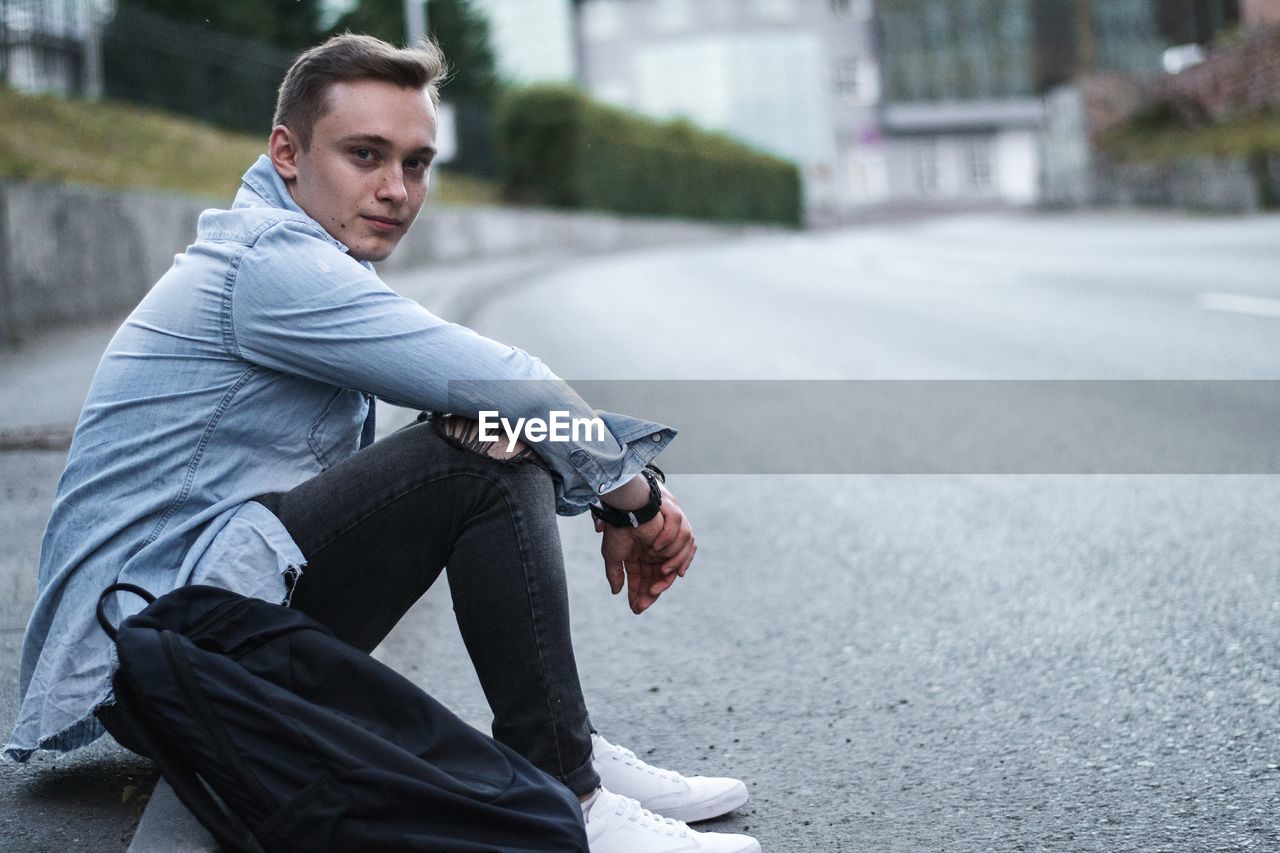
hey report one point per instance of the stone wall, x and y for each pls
(1076, 173)
(1203, 184)
(71, 255)
(76, 255)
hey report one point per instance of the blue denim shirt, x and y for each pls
(248, 368)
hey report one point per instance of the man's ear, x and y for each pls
(283, 148)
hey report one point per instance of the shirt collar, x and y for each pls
(262, 186)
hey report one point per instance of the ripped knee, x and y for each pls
(464, 434)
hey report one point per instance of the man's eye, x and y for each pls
(417, 164)
(363, 154)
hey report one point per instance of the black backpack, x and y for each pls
(312, 745)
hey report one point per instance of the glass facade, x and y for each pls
(1127, 36)
(958, 50)
(993, 49)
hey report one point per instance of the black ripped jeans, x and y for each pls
(377, 530)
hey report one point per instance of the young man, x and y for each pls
(219, 441)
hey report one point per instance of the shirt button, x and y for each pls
(657, 436)
(603, 489)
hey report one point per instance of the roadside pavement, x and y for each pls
(960, 662)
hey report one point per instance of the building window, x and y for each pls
(978, 163)
(847, 80)
(856, 80)
(924, 166)
(960, 49)
(866, 173)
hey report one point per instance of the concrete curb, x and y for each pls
(167, 827)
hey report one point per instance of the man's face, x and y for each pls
(365, 175)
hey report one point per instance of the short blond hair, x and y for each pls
(302, 98)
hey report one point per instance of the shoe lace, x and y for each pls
(631, 810)
(630, 759)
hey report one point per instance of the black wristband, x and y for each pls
(636, 517)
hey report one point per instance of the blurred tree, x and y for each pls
(290, 24)
(463, 35)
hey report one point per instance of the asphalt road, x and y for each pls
(962, 663)
(965, 662)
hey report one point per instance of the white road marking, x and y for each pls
(1238, 303)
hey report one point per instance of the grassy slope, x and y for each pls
(48, 138)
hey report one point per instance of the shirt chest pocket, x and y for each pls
(336, 433)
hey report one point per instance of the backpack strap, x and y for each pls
(231, 834)
(106, 593)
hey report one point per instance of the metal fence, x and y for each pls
(477, 154)
(89, 48)
(191, 69)
(50, 45)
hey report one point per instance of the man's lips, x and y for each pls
(381, 224)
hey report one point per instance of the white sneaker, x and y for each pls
(664, 791)
(617, 824)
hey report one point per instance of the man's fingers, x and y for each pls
(660, 585)
(613, 570)
(671, 523)
(684, 538)
(652, 567)
(641, 601)
(644, 584)
(638, 597)
(678, 546)
(679, 564)
(675, 536)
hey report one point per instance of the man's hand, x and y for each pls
(648, 559)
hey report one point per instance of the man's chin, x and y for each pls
(373, 253)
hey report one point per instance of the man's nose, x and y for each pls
(393, 188)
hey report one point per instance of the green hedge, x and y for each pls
(557, 147)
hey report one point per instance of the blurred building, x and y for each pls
(964, 80)
(532, 40)
(52, 45)
(882, 103)
(797, 78)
